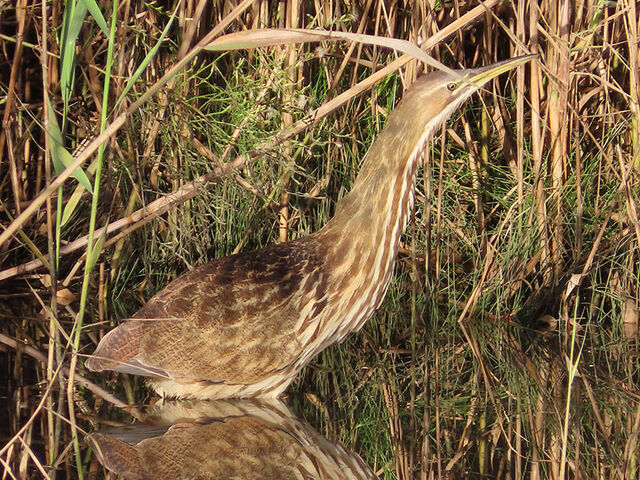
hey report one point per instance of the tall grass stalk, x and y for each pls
(573, 363)
(93, 249)
(472, 367)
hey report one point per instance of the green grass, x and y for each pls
(489, 394)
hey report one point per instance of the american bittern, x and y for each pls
(224, 439)
(245, 325)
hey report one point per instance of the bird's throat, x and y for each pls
(375, 212)
(364, 234)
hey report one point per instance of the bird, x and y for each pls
(244, 325)
(224, 439)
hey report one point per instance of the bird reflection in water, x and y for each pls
(239, 439)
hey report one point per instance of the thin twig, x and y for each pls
(162, 204)
(85, 382)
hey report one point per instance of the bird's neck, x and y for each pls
(362, 238)
(376, 210)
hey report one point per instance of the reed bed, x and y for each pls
(507, 346)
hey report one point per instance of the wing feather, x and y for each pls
(231, 320)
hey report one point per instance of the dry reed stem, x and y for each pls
(396, 431)
(161, 205)
(85, 382)
(594, 202)
(113, 127)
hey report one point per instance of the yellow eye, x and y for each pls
(452, 86)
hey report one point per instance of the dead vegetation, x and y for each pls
(507, 346)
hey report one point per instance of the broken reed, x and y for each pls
(505, 345)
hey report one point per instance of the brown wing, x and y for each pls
(231, 320)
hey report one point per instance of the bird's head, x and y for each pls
(435, 96)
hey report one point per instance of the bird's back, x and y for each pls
(232, 325)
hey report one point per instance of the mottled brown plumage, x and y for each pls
(245, 325)
(238, 439)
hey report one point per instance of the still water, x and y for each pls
(237, 439)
